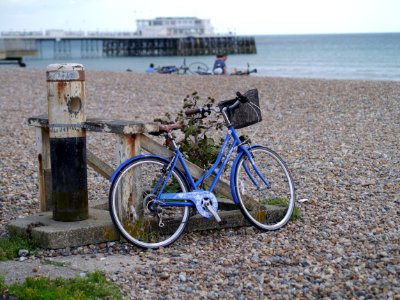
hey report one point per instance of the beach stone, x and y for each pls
(182, 277)
(23, 253)
(339, 139)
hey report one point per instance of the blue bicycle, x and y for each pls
(152, 197)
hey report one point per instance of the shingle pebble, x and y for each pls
(340, 140)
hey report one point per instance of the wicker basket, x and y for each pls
(245, 114)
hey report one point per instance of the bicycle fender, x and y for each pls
(121, 166)
(233, 169)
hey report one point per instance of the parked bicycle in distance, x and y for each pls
(197, 68)
(200, 68)
(248, 71)
(152, 197)
(183, 69)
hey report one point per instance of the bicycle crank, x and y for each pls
(206, 203)
(214, 213)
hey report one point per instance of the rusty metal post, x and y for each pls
(66, 108)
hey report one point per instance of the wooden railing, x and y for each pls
(132, 139)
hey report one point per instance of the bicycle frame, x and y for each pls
(175, 199)
(152, 197)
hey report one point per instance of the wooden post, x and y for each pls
(66, 103)
(43, 151)
(127, 147)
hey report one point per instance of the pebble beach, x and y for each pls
(341, 142)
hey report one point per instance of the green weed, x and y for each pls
(296, 215)
(141, 229)
(9, 247)
(92, 286)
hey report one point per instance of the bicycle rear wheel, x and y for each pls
(267, 204)
(134, 208)
(198, 68)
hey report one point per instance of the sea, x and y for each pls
(374, 56)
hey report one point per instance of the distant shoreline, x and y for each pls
(328, 56)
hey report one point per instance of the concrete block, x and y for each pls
(51, 234)
(233, 218)
(98, 228)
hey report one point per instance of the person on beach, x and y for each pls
(220, 65)
(151, 69)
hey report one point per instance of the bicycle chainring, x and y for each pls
(201, 204)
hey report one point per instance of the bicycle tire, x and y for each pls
(132, 207)
(267, 208)
(198, 68)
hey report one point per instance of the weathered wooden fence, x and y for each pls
(132, 139)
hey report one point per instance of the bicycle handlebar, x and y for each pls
(240, 98)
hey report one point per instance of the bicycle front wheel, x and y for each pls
(135, 210)
(265, 190)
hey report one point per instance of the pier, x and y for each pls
(182, 46)
(113, 46)
(14, 49)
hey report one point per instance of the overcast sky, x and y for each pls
(240, 17)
